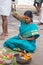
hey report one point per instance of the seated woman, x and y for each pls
(28, 33)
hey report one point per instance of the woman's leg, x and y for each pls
(27, 46)
(15, 42)
(10, 44)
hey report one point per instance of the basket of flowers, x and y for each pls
(23, 58)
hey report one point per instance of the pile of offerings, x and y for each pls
(6, 58)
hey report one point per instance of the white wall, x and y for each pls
(25, 2)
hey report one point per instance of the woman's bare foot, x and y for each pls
(22, 53)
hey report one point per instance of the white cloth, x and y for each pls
(41, 16)
(5, 7)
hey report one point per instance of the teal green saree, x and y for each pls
(27, 31)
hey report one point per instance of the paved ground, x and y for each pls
(13, 27)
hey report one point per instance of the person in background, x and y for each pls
(41, 17)
(38, 4)
(5, 9)
(13, 5)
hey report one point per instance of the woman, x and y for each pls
(28, 33)
(5, 9)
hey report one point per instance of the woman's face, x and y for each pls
(27, 19)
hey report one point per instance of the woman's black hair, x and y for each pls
(29, 14)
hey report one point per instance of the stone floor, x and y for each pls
(13, 28)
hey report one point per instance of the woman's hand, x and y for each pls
(17, 16)
(32, 38)
(20, 37)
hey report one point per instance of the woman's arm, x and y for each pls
(17, 16)
(32, 38)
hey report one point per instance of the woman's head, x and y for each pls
(28, 16)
